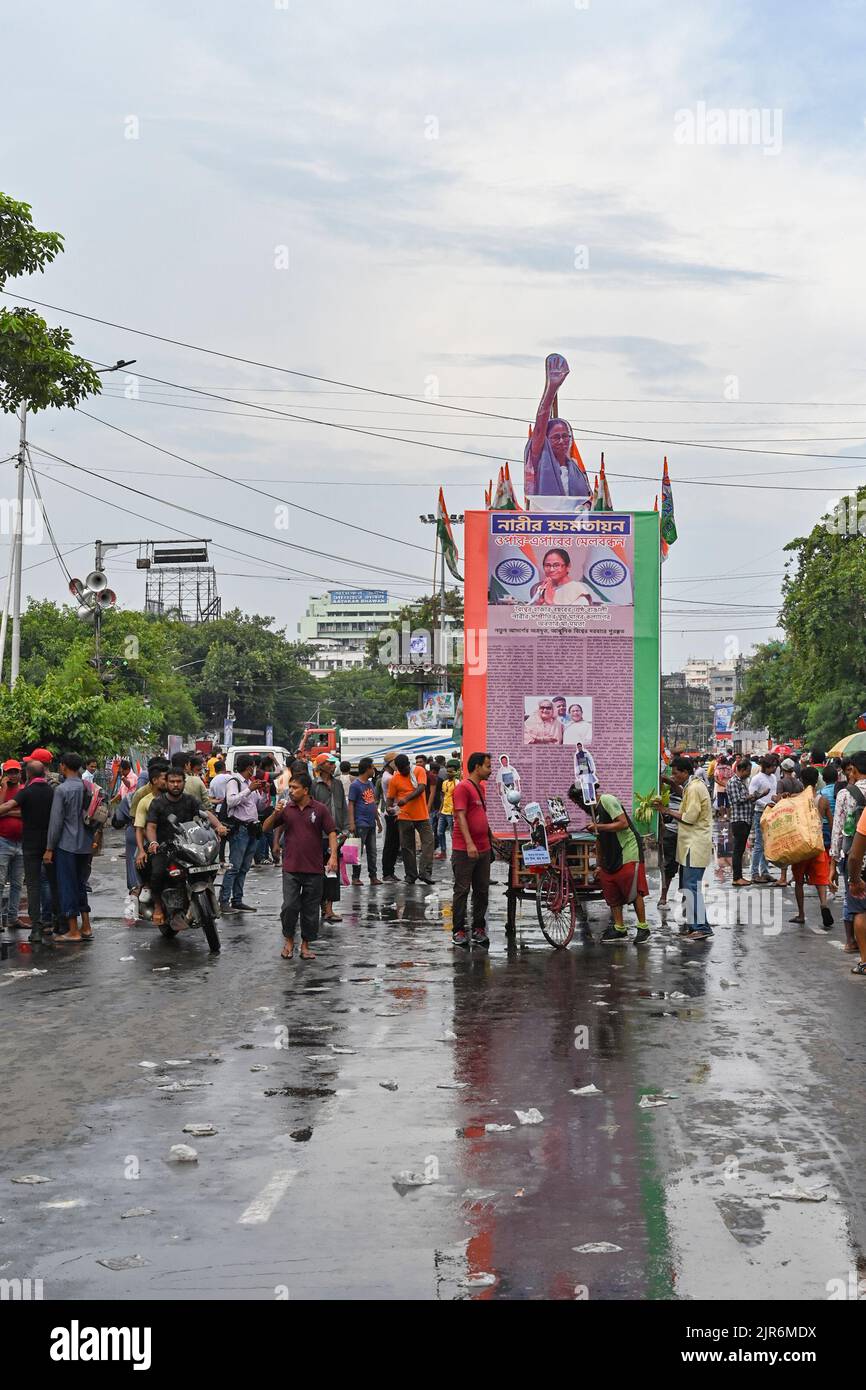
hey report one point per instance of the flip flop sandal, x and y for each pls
(859, 969)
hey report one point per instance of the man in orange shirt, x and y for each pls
(408, 792)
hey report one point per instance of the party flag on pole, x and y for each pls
(603, 488)
(446, 537)
(662, 542)
(593, 501)
(668, 526)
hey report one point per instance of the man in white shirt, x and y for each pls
(762, 790)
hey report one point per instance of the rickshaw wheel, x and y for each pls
(557, 912)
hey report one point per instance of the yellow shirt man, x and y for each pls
(695, 828)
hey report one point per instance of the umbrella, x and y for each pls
(851, 743)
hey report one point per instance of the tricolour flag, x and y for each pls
(446, 537)
(663, 545)
(668, 526)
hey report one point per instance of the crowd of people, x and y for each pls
(317, 821)
(324, 824)
(715, 810)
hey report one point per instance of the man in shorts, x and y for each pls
(619, 865)
(817, 869)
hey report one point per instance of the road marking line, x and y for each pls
(262, 1208)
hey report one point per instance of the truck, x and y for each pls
(352, 744)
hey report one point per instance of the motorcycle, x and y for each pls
(188, 898)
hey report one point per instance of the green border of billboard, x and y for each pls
(647, 667)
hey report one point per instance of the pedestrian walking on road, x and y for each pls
(435, 781)
(694, 845)
(328, 791)
(33, 801)
(391, 842)
(364, 820)
(855, 897)
(302, 823)
(11, 857)
(70, 847)
(446, 810)
(850, 802)
(817, 869)
(670, 867)
(741, 814)
(762, 790)
(407, 790)
(471, 853)
(241, 815)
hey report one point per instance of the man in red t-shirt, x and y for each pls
(471, 853)
(303, 822)
(11, 857)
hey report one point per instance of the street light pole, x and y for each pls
(17, 543)
(18, 536)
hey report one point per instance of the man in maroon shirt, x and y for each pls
(471, 854)
(303, 822)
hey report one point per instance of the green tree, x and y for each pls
(365, 699)
(423, 616)
(240, 659)
(140, 653)
(37, 364)
(68, 709)
(813, 684)
(767, 696)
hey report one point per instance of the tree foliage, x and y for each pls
(813, 684)
(366, 699)
(37, 364)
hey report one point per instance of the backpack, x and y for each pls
(609, 847)
(223, 813)
(95, 809)
(851, 818)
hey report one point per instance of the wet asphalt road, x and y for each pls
(758, 1038)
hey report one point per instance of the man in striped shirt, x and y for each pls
(740, 813)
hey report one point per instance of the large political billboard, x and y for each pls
(569, 606)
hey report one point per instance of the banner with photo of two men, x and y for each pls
(570, 605)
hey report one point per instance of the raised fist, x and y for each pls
(556, 369)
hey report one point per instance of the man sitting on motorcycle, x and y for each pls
(171, 807)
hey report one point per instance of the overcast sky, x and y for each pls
(428, 199)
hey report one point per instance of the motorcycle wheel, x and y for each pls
(167, 929)
(208, 922)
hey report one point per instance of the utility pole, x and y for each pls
(443, 654)
(17, 540)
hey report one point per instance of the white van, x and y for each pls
(281, 756)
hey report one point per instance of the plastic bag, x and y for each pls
(352, 850)
(130, 909)
(792, 829)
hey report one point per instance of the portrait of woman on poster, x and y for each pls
(578, 729)
(559, 586)
(543, 725)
